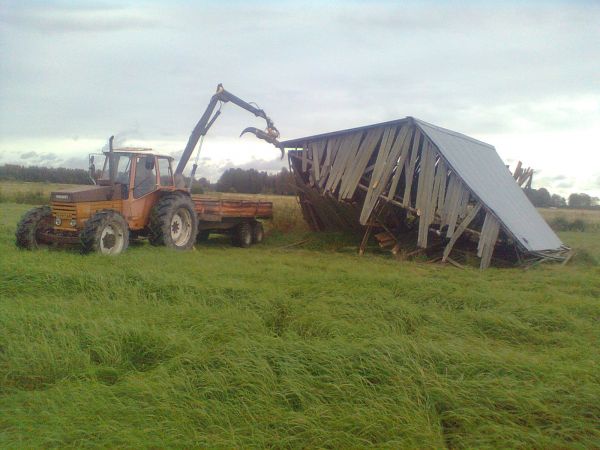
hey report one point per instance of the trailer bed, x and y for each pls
(212, 209)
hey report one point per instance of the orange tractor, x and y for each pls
(139, 194)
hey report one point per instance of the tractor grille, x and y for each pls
(66, 212)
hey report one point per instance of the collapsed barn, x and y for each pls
(409, 180)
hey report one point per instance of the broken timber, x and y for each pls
(373, 179)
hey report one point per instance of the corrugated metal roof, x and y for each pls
(482, 170)
(294, 143)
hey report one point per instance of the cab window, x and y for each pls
(164, 171)
(145, 176)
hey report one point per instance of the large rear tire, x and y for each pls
(32, 224)
(242, 235)
(173, 222)
(106, 232)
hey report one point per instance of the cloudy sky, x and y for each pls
(524, 77)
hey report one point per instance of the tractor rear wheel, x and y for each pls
(106, 232)
(258, 233)
(242, 235)
(32, 224)
(173, 222)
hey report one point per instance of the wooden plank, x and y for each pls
(314, 151)
(410, 171)
(318, 149)
(452, 212)
(517, 171)
(487, 240)
(437, 184)
(464, 203)
(363, 155)
(365, 239)
(350, 160)
(337, 163)
(347, 150)
(304, 158)
(330, 144)
(455, 263)
(404, 141)
(459, 230)
(424, 192)
(443, 170)
(391, 145)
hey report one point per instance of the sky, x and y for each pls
(522, 76)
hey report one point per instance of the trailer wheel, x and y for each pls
(106, 232)
(33, 222)
(258, 233)
(173, 222)
(242, 235)
(202, 236)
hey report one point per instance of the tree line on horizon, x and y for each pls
(248, 181)
(542, 198)
(252, 181)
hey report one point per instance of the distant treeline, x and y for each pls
(248, 181)
(542, 198)
(14, 172)
(251, 181)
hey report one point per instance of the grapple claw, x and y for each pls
(270, 136)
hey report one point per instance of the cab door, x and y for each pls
(143, 193)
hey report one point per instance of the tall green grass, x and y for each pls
(293, 347)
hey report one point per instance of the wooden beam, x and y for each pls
(459, 230)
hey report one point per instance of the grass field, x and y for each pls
(294, 347)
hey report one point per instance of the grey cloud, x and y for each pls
(29, 155)
(77, 20)
(565, 184)
(78, 162)
(556, 178)
(273, 165)
(47, 157)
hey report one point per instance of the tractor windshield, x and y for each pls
(123, 164)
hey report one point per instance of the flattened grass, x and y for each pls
(294, 347)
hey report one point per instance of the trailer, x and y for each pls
(239, 218)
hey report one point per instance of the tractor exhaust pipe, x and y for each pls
(111, 162)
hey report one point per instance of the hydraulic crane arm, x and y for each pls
(270, 134)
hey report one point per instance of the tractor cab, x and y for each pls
(137, 171)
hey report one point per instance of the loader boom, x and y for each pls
(270, 134)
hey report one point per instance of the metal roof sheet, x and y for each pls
(299, 142)
(482, 170)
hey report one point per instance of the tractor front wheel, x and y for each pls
(106, 232)
(173, 222)
(32, 224)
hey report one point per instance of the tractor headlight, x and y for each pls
(73, 222)
(57, 221)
